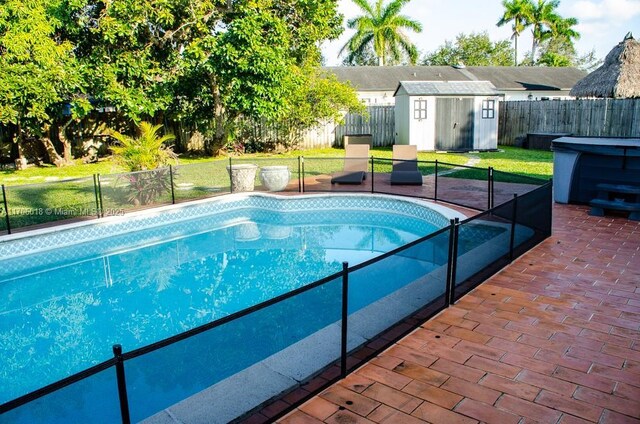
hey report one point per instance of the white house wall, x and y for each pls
(385, 98)
(537, 95)
(485, 132)
(377, 98)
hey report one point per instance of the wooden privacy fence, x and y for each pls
(598, 117)
(380, 123)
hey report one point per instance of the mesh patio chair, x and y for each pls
(356, 162)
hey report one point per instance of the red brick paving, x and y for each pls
(552, 338)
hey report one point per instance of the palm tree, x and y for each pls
(561, 30)
(518, 12)
(382, 27)
(542, 17)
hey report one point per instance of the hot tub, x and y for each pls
(580, 163)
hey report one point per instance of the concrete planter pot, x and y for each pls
(275, 178)
(243, 176)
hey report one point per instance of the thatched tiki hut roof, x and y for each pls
(619, 75)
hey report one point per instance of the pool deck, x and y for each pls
(454, 190)
(552, 338)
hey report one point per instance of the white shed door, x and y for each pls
(419, 125)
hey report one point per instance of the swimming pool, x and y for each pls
(68, 294)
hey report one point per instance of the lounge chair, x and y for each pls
(356, 162)
(405, 166)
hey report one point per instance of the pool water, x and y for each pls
(61, 310)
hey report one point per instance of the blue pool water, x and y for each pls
(69, 296)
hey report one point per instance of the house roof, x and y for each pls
(531, 78)
(619, 75)
(386, 78)
(504, 78)
(425, 88)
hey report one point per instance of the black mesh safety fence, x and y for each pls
(269, 174)
(120, 193)
(200, 180)
(319, 325)
(464, 186)
(38, 204)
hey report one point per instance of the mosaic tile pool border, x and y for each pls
(159, 218)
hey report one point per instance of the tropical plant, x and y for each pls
(542, 17)
(518, 12)
(146, 187)
(382, 27)
(364, 57)
(475, 49)
(562, 30)
(148, 151)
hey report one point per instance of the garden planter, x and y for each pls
(275, 178)
(243, 176)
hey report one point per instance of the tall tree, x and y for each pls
(382, 26)
(558, 49)
(204, 62)
(475, 49)
(562, 29)
(542, 17)
(38, 71)
(518, 12)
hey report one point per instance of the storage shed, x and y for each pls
(447, 115)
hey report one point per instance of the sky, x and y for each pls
(602, 23)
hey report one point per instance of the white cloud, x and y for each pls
(621, 10)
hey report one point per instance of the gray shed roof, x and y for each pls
(504, 78)
(425, 88)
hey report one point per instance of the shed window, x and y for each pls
(488, 109)
(419, 109)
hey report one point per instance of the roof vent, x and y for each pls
(415, 74)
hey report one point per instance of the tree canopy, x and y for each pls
(38, 70)
(204, 62)
(382, 28)
(554, 33)
(475, 49)
(516, 12)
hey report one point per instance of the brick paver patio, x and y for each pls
(552, 338)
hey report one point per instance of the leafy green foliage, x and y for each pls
(543, 16)
(253, 66)
(146, 187)
(203, 62)
(550, 32)
(475, 49)
(363, 57)
(38, 70)
(148, 151)
(516, 12)
(381, 27)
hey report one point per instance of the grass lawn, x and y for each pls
(43, 194)
(531, 163)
